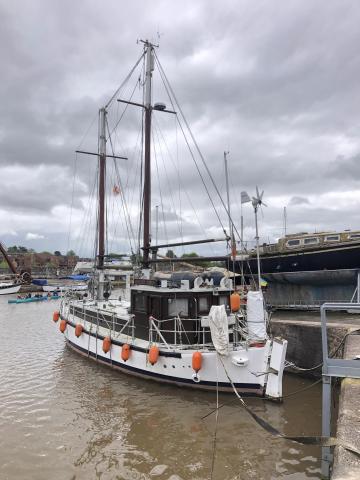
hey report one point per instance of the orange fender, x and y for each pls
(78, 330)
(235, 302)
(196, 361)
(62, 326)
(125, 352)
(106, 344)
(153, 354)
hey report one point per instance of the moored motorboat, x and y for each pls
(8, 288)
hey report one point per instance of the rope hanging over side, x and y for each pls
(304, 440)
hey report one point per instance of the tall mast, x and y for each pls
(147, 159)
(102, 169)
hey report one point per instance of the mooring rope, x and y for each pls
(304, 440)
(216, 421)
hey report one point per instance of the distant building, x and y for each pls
(31, 261)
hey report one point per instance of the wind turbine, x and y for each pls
(256, 203)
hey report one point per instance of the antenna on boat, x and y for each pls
(256, 203)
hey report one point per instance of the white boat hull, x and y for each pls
(64, 288)
(244, 366)
(8, 289)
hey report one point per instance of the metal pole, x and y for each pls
(157, 224)
(231, 226)
(358, 287)
(257, 245)
(227, 192)
(326, 456)
(241, 229)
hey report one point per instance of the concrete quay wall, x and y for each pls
(346, 465)
(303, 333)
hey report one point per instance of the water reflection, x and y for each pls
(65, 417)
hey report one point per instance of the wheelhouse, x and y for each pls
(166, 305)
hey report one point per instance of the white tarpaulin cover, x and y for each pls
(256, 316)
(219, 329)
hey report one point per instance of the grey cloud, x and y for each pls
(275, 83)
(298, 201)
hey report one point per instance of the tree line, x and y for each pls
(22, 249)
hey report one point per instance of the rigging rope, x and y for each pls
(168, 90)
(161, 198)
(181, 186)
(216, 420)
(125, 81)
(122, 196)
(168, 182)
(125, 109)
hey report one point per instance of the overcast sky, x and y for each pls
(274, 83)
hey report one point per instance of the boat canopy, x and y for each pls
(84, 278)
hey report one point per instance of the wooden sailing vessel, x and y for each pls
(186, 330)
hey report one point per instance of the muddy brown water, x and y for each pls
(65, 417)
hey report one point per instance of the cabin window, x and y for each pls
(293, 243)
(203, 304)
(155, 308)
(178, 306)
(332, 238)
(311, 241)
(354, 236)
(140, 302)
(224, 300)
